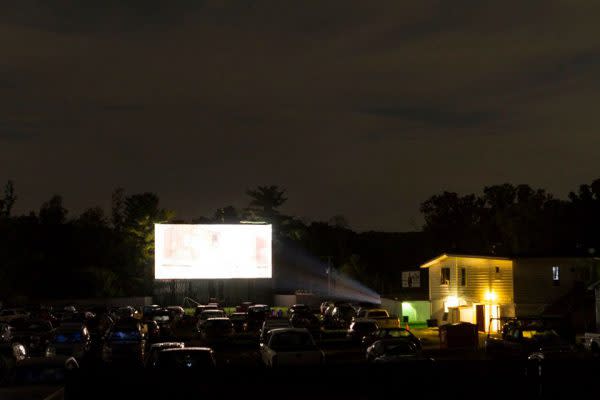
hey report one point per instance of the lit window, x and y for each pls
(463, 277)
(555, 275)
(445, 276)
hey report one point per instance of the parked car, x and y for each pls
(35, 335)
(270, 324)
(147, 311)
(257, 314)
(290, 347)
(244, 306)
(9, 314)
(239, 321)
(360, 328)
(342, 315)
(152, 353)
(591, 342)
(390, 334)
(186, 358)
(325, 305)
(6, 333)
(382, 347)
(216, 330)
(124, 345)
(153, 331)
(206, 314)
(198, 310)
(164, 318)
(70, 339)
(11, 356)
(308, 321)
(401, 351)
(176, 312)
(301, 308)
(522, 337)
(383, 318)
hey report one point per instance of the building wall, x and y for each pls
(481, 278)
(534, 286)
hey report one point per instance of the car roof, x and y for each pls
(365, 321)
(283, 330)
(188, 349)
(166, 344)
(219, 319)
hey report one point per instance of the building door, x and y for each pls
(480, 317)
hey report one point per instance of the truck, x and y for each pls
(381, 317)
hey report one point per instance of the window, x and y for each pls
(556, 275)
(445, 276)
(497, 273)
(463, 277)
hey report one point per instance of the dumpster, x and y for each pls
(431, 323)
(459, 335)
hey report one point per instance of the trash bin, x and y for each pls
(459, 335)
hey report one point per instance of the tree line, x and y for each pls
(47, 253)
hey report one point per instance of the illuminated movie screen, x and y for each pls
(212, 251)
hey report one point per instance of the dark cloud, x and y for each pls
(435, 117)
(358, 108)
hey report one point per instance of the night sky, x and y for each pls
(358, 108)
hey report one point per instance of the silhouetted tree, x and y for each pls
(93, 217)
(265, 201)
(227, 215)
(7, 203)
(118, 208)
(52, 212)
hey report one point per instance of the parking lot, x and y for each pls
(158, 352)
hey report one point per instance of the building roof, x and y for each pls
(447, 255)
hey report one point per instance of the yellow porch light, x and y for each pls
(452, 301)
(490, 296)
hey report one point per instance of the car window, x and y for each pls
(125, 335)
(377, 314)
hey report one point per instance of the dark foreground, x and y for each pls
(473, 379)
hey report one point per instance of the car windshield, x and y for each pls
(544, 335)
(238, 316)
(34, 326)
(395, 333)
(68, 336)
(377, 314)
(401, 349)
(220, 323)
(292, 341)
(119, 336)
(185, 359)
(212, 314)
(364, 326)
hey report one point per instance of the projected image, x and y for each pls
(212, 251)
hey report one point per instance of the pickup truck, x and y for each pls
(381, 317)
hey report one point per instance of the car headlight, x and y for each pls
(50, 351)
(19, 351)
